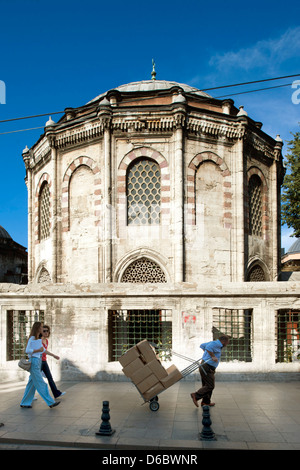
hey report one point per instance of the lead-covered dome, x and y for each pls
(154, 85)
(4, 233)
(295, 248)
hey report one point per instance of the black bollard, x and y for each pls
(105, 428)
(207, 433)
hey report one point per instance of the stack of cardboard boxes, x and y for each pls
(142, 366)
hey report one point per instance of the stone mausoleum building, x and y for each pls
(154, 213)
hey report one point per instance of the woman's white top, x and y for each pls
(32, 345)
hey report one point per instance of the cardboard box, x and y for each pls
(157, 369)
(147, 383)
(147, 351)
(153, 391)
(141, 374)
(129, 356)
(173, 376)
(133, 367)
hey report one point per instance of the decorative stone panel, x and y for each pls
(89, 162)
(191, 188)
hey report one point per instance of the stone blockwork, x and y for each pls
(81, 334)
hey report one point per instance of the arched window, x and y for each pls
(144, 270)
(44, 276)
(256, 274)
(44, 212)
(255, 206)
(143, 190)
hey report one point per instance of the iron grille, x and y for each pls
(143, 270)
(237, 324)
(143, 193)
(45, 212)
(255, 206)
(256, 274)
(287, 335)
(19, 323)
(129, 327)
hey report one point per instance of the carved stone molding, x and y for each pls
(215, 128)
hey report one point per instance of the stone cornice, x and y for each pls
(274, 291)
(74, 136)
(255, 143)
(206, 125)
(216, 128)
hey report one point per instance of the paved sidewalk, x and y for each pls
(247, 416)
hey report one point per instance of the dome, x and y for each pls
(154, 85)
(295, 248)
(4, 233)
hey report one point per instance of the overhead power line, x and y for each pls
(203, 89)
(22, 130)
(30, 117)
(254, 91)
(250, 83)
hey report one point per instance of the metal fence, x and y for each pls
(237, 324)
(19, 323)
(129, 327)
(287, 335)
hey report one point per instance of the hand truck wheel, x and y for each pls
(154, 405)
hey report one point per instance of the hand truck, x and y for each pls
(153, 401)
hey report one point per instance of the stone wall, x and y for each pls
(78, 316)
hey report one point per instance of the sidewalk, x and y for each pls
(247, 416)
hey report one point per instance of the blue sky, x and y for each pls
(63, 53)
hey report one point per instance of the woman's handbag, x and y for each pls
(24, 364)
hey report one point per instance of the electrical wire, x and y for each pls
(250, 83)
(22, 130)
(254, 91)
(30, 117)
(204, 99)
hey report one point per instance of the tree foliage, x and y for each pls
(290, 207)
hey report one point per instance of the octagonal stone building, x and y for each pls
(154, 177)
(154, 213)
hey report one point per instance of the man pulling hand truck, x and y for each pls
(210, 361)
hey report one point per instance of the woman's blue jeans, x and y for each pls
(36, 382)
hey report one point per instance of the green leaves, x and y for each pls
(290, 207)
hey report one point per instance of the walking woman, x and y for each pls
(35, 349)
(45, 368)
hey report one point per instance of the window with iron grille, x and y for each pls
(256, 274)
(129, 327)
(144, 270)
(19, 323)
(44, 212)
(237, 324)
(287, 335)
(255, 206)
(143, 193)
